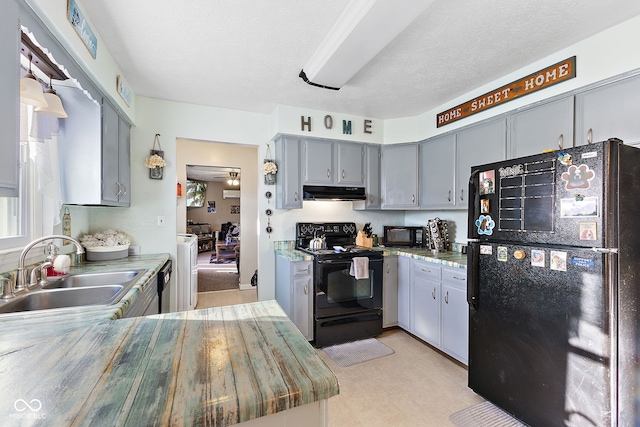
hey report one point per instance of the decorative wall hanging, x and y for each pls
(155, 162)
(269, 168)
(235, 209)
(212, 206)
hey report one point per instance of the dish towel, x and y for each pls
(360, 268)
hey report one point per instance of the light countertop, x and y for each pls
(217, 366)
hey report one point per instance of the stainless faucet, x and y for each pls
(21, 278)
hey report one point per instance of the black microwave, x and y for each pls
(401, 235)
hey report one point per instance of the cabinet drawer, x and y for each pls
(299, 269)
(426, 269)
(455, 276)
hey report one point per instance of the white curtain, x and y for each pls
(40, 132)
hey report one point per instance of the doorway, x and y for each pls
(222, 205)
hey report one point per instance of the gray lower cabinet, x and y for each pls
(432, 305)
(400, 176)
(437, 172)
(390, 292)
(288, 180)
(404, 295)
(609, 111)
(477, 145)
(545, 127)
(10, 99)
(294, 292)
(426, 290)
(455, 314)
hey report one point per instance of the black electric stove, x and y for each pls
(345, 307)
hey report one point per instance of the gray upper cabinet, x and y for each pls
(350, 170)
(10, 99)
(329, 162)
(477, 145)
(437, 172)
(609, 111)
(288, 182)
(318, 162)
(400, 176)
(115, 158)
(545, 127)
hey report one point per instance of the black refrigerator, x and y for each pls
(554, 284)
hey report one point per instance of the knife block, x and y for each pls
(363, 240)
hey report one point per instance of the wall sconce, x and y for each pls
(233, 178)
(31, 90)
(54, 104)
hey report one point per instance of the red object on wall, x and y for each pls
(179, 190)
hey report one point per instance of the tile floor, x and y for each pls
(415, 386)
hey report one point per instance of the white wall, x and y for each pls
(610, 53)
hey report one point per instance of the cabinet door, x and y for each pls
(609, 111)
(455, 322)
(546, 127)
(288, 182)
(400, 176)
(477, 145)
(426, 309)
(111, 188)
(437, 172)
(390, 292)
(10, 99)
(350, 169)
(318, 162)
(404, 297)
(124, 162)
(371, 179)
(302, 306)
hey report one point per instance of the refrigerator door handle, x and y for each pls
(473, 276)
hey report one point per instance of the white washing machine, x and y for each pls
(187, 272)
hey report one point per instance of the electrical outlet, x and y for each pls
(160, 221)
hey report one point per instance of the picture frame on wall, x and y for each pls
(212, 206)
(235, 209)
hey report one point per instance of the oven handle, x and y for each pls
(346, 261)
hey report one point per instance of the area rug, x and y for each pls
(484, 414)
(350, 353)
(222, 261)
(212, 280)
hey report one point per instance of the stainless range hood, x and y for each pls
(321, 192)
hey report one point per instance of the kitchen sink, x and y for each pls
(61, 298)
(96, 279)
(78, 290)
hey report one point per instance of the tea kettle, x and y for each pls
(317, 243)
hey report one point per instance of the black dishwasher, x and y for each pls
(164, 276)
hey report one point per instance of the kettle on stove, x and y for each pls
(317, 243)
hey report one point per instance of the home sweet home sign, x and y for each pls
(556, 73)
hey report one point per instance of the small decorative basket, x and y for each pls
(106, 253)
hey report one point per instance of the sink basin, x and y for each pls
(60, 298)
(96, 279)
(76, 291)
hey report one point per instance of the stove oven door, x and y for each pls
(338, 293)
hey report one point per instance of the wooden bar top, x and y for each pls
(218, 366)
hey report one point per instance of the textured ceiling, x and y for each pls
(246, 54)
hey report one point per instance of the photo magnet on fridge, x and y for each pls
(485, 225)
(588, 231)
(537, 258)
(487, 180)
(578, 177)
(558, 261)
(502, 254)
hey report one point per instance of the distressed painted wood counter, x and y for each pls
(218, 366)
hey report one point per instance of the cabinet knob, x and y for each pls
(462, 194)
(413, 198)
(449, 196)
(295, 196)
(328, 173)
(306, 289)
(433, 293)
(342, 173)
(590, 136)
(446, 297)
(561, 141)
